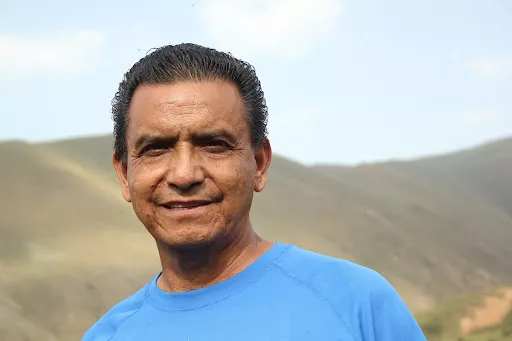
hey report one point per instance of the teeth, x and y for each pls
(181, 206)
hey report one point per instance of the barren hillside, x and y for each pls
(70, 247)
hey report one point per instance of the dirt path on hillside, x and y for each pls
(490, 314)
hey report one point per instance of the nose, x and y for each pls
(184, 171)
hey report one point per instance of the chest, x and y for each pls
(259, 322)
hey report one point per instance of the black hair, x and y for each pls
(189, 62)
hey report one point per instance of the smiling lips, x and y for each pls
(175, 205)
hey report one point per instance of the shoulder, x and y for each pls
(363, 299)
(332, 276)
(105, 328)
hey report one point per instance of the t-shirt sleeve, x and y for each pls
(389, 316)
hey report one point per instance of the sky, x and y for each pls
(346, 81)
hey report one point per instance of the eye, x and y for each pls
(217, 146)
(153, 150)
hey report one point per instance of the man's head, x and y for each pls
(190, 143)
(184, 63)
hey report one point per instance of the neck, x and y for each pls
(184, 270)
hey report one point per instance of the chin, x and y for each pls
(188, 240)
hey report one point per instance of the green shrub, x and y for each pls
(432, 327)
(506, 326)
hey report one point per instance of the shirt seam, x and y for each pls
(322, 298)
(126, 318)
(267, 269)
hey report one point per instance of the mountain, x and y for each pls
(445, 221)
(70, 247)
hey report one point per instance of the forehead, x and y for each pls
(186, 105)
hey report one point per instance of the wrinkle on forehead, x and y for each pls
(218, 95)
(171, 106)
(182, 106)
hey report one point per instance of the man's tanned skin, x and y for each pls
(190, 174)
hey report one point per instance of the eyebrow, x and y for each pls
(147, 139)
(151, 139)
(213, 134)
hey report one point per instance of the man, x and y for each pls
(191, 148)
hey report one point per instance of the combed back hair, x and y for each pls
(189, 62)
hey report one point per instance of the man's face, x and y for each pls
(191, 169)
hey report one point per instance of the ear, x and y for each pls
(263, 156)
(122, 173)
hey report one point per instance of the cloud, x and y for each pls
(489, 68)
(478, 116)
(284, 27)
(58, 52)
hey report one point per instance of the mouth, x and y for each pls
(186, 205)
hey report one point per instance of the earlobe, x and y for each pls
(260, 184)
(122, 173)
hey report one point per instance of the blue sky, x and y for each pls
(346, 81)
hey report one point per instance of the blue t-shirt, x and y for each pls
(287, 294)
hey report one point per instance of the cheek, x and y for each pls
(237, 180)
(143, 180)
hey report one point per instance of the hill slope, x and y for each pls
(451, 215)
(70, 247)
